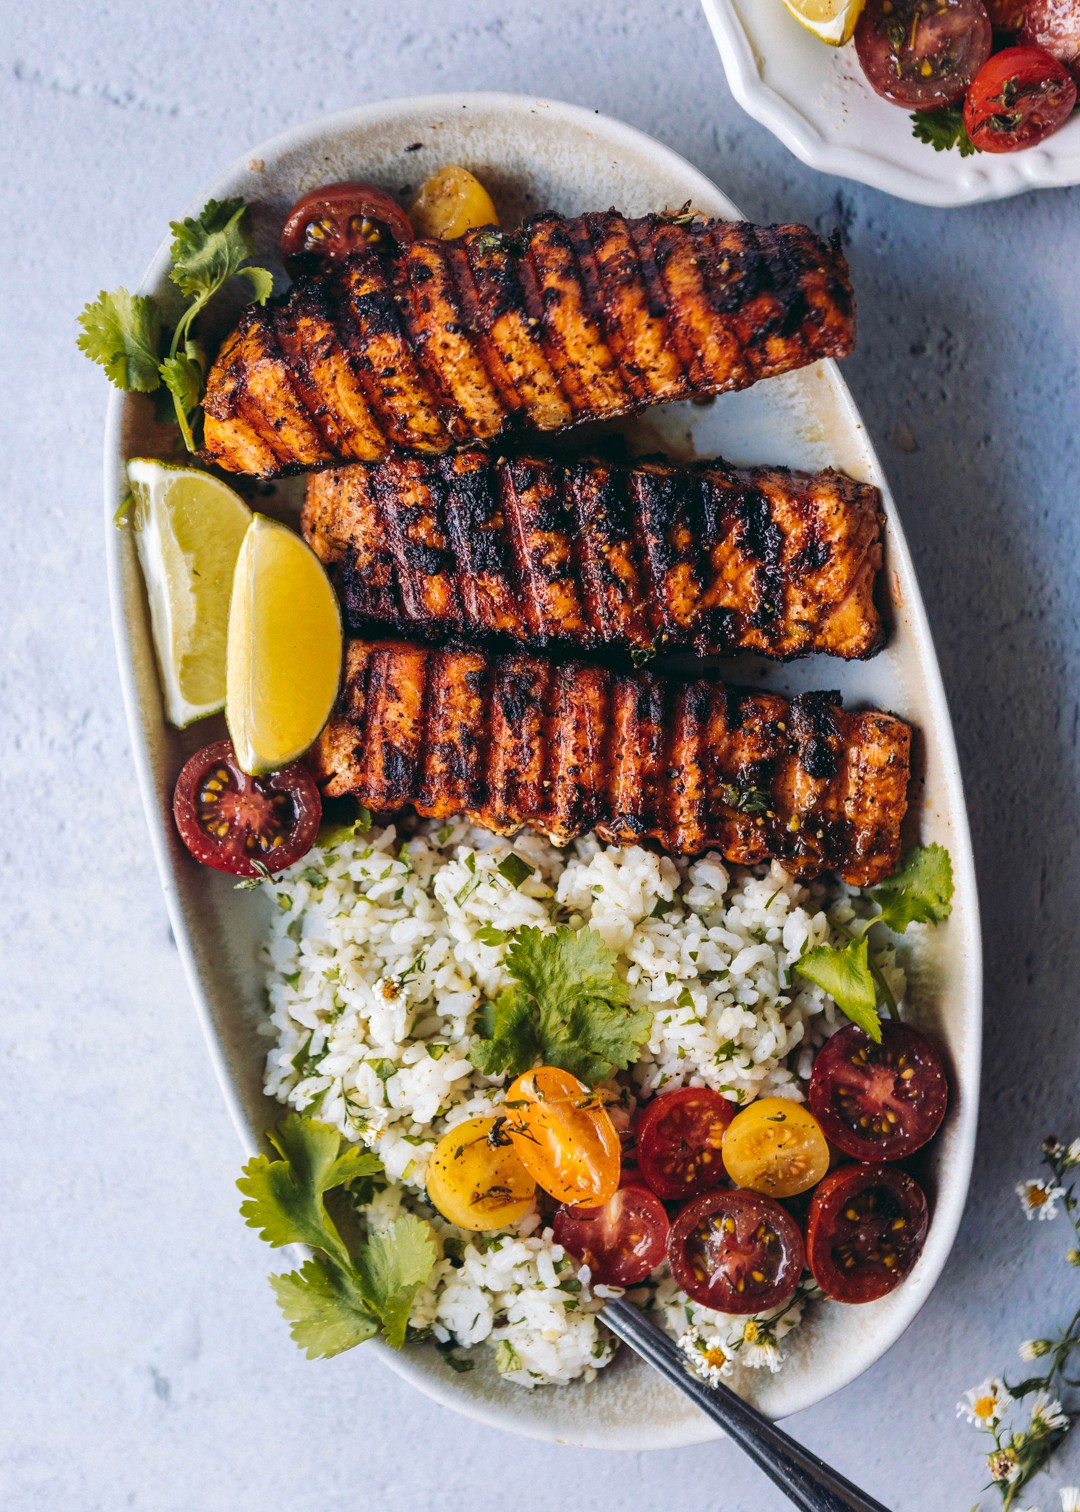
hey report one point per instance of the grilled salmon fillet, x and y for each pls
(566, 320)
(587, 554)
(514, 740)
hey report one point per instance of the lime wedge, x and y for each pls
(832, 21)
(188, 532)
(284, 653)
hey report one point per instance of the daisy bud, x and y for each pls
(1034, 1349)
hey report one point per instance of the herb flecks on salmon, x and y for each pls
(566, 320)
(514, 740)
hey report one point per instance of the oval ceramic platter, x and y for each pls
(817, 101)
(537, 154)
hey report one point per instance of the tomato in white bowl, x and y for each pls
(818, 101)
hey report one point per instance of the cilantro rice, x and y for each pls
(381, 952)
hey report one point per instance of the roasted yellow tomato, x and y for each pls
(476, 1182)
(775, 1146)
(450, 203)
(564, 1136)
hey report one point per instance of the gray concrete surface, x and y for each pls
(143, 1364)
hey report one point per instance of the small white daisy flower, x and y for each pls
(708, 1360)
(1034, 1349)
(1070, 1498)
(985, 1405)
(1039, 1199)
(1047, 1414)
(758, 1349)
(1072, 1157)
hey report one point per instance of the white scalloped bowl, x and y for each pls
(537, 154)
(817, 101)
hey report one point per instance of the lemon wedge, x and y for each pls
(284, 648)
(833, 21)
(188, 531)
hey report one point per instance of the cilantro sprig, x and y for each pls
(123, 331)
(943, 129)
(336, 1299)
(920, 892)
(567, 1008)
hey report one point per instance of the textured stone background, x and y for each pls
(143, 1364)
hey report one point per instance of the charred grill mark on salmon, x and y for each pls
(587, 554)
(515, 742)
(566, 320)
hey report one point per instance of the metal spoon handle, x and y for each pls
(808, 1481)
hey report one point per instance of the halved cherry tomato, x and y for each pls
(335, 220)
(564, 1136)
(775, 1146)
(475, 1178)
(1021, 96)
(240, 824)
(1055, 26)
(451, 202)
(922, 53)
(737, 1252)
(622, 1241)
(879, 1101)
(866, 1229)
(678, 1141)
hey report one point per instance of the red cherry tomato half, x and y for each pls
(866, 1229)
(679, 1135)
(328, 224)
(922, 53)
(1020, 97)
(736, 1251)
(240, 824)
(1055, 26)
(622, 1241)
(879, 1102)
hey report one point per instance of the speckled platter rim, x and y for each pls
(217, 928)
(815, 100)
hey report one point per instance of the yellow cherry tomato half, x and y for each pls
(776, 1147)
(564, 1136)
(450, 203)
(476, 1182)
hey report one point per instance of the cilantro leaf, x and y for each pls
(122, 332)
(846, 976)
(568, 1008)
(343, 819)
(326, 1311)
(513, 1042)
(943, 129)
(392, 1266)
(920, 892)
(183, 377)
(261, 280)
(285, 1196)
(209, 248)
(332, 1303)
